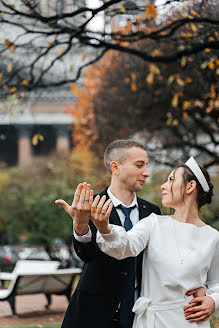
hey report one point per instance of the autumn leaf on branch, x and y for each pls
(36, 138)
(150, 11)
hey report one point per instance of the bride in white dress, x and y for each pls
(181, 252)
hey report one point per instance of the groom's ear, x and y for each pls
(114, 167)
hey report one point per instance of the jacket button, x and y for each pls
(124, 273)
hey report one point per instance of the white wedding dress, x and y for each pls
(178, 257)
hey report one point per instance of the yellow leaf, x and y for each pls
(194, 13)
(207, 50)
(41, 137)
(168, 122)
(128, 25)
(209, 109)
(133, 87)
(154, 69)
(71, 69)
(150, 78)
(25, 82)
(199, 103)
(213, 93)
(175, 122)
(187, 36)
(183, 61)
(133, 76)
(156, 52)
(185, 114)
(211, 65)
(122, 9)
(83, 57)
(217, 71)
(211, 38)
(10, 45)
(24, 94)
(50, 44)
(12, 90)
(1, 74)
(171, 78)
(182, 11)
(74, 88)
(188, 80)
(217, 62)
(186, 104)
(216, 104)
(180, 82)
(204, 64)
(194, 27)
(62, 51)
(9, 68)
(150, 11)
(36, 138)
(175, 100)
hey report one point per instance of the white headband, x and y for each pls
(192, 164)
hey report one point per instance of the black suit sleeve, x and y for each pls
(87, 251)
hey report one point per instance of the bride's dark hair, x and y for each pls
(203, 197)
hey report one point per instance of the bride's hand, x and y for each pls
(100, 212)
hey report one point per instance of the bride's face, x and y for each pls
(173, 189)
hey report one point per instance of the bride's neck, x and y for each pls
(188, 214)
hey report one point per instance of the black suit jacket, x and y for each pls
(103, 279)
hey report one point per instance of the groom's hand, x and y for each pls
(199, 309)
(197, 292)
(80, 209)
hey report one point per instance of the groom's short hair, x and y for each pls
(117, 151)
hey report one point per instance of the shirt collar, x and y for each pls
(116, 202)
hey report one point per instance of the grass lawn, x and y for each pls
(45, 325)
(214, 323)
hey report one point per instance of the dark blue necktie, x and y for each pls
(126, 314)
(127, 210)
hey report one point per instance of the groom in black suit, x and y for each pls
(108, 287)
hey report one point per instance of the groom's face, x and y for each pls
(133, 170)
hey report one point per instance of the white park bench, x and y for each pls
(58, 282)
(25, 266)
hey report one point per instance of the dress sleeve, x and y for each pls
(213, 280)
(121, 244)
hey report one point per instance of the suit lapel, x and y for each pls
(143, 209)
(114, 217)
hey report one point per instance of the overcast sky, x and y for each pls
(97, 23)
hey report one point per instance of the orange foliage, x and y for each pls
(85, 132)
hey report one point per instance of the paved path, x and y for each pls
(31, 310)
